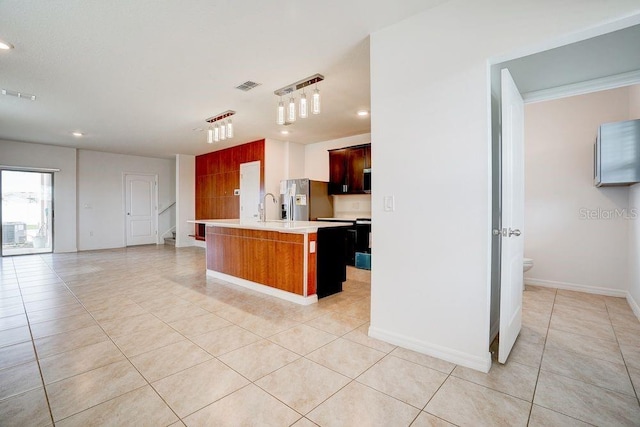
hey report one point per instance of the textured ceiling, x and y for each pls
(138, 76)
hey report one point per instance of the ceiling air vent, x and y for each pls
(247, 86)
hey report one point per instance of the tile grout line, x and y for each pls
(564, 376)
(626, 367)
(116, 345)
(287, 364)
(33, 343)
(420, 409)
(544, 347)
(187, 338)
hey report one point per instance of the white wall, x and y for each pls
(185, 199)
(101, 200)
(275, 170)
(431, 272)
(316, 156)
(295, 161)
(283, 160)
(570, 249)
(634, 225)
(64, 183)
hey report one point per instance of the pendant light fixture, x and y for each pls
(219, 128)
(303, 107)
(315, 109)
(292, 110)
(280, 119)
(223, 131)
(229, 129)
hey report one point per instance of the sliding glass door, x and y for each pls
(27, 212)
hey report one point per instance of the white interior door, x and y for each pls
(250, 190)
(140, 207)
(512, 215)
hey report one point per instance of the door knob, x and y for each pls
(514, 232)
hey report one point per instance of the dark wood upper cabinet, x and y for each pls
(367, 157)
(346, 169)
(337, 171)
(355, 171)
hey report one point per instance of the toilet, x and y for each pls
(527, 264)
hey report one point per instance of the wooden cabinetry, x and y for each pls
(347, 168)
(217, 175)
(367, 156)
(337, 171)
(268, 258)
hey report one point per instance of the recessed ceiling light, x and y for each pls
(363, 113)
(78, 134)
(5, 46)
(284, 132)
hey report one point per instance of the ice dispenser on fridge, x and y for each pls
(305, 200)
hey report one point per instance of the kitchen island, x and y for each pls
(299, 261)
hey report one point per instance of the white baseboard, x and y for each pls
(200, 243)
(482, 364)
(288, 296)
(576, 287)
(634, 305)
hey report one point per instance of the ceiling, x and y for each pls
(607, 55)
(137, 77)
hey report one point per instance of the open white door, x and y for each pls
(250, 190)
(512, 215)
(140, 206)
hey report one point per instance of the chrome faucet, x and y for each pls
(263, 207)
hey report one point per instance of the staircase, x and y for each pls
(170, 240)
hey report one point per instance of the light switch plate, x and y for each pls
(312, 247)
(389, 203)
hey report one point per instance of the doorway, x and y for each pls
(27, 212)
(552, 74)
(250, 191)
(141, 215)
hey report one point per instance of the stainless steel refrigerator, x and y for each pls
(305, 200)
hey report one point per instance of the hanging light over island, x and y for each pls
(302, 111)
(219, 128)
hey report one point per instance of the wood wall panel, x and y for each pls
(270, 258)
(218, 174)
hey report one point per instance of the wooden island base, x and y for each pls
(279, 264)
(299, 261)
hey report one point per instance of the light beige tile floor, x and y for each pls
(140, 336)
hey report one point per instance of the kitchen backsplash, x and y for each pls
(352, 206)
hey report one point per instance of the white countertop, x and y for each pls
(299, 227)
